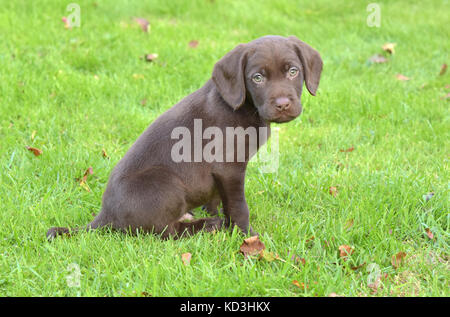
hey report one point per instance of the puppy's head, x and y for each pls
(269, 73)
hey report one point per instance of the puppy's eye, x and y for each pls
(293, 71)
(258, 78)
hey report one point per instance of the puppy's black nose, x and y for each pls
(282, 103)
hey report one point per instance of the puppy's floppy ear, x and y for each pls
(311, 62)
(228, 76)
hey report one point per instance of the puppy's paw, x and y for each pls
(53, 232)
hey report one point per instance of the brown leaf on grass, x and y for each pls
(389, 47)
(350, 149)
(35, 151)
(143, 23)
(104, 154)
(151, 57)
(443, 69)
(299, 284)
(186, 258)
(83, 180)
(252, 246)
(333, 191)
(193, 43)
(89, 171)
(429, 233)
(397, 259)
(378, 59)
(402, 77)
(345, 251)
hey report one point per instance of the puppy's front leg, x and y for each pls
(235, 208)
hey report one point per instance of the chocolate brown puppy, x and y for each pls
(253, 85)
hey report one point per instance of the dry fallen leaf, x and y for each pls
(402, 77)
(378, 59)
(398, 259)
(186, 258)
(89, 171)
(193, 43)
(443, 69)
(350, 149)
(35, 151)
(345, 251)
(333, 191)
(144, 24)
(104, 154)
(252, 246)
(389, 47)
(83, 180)
(299, 285)
(429, 233)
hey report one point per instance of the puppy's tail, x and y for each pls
(53, 232)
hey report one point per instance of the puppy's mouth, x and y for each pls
(281, 116)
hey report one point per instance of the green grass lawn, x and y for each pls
(75, 92)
